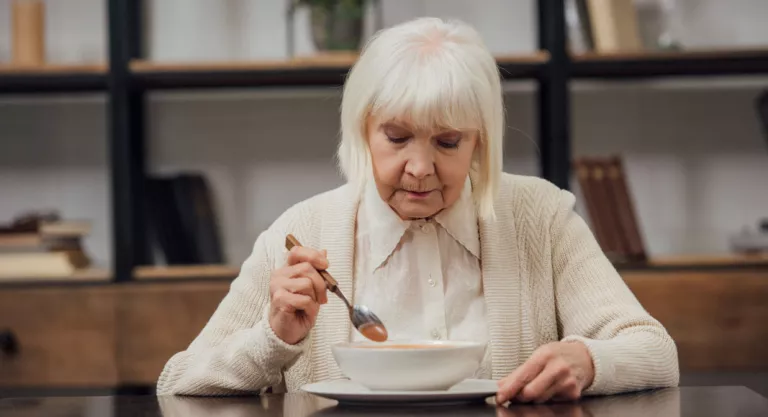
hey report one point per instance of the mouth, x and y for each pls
(418, 194)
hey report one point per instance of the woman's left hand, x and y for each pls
(555, 371)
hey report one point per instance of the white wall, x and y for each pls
(696, 158)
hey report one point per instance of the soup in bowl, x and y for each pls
(409, 366)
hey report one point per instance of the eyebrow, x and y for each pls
(410, 129)
(395, 125)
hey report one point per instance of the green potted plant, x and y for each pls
(337, 25)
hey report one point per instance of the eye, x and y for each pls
(448, 144)
(397, 140)
(449, 141)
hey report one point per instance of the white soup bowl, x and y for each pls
(409, 366)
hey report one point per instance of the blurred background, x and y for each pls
(144, 145)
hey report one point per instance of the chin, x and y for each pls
(418, 212)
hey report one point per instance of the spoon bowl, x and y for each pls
(364, 320)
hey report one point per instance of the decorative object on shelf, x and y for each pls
(657, 24)
(751, 242)
(28, 21)
(755, 241)
(42, 245)
(611, 209)
(335, 25)
(579, 32)
(579, 35)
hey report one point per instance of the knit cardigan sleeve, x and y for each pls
(237, 351)
(630, 350)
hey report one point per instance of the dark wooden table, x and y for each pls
(675, 402)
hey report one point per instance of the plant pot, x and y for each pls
(338, 27)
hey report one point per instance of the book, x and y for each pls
(42, 264)
(46, 225)
(165, 227)
(41, 245)
(610, 208)
(28, 33)
(182, 219)
(614, 26)
(629, 231)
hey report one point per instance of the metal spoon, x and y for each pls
(362, 318)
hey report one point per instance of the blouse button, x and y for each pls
(431, 282)
(435, 334)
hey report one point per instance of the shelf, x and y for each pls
(702, 262)
(86, 276)
(321, 70)
(52, 78)
(670, 63)
(152, 273)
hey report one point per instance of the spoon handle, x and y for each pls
(290, 242)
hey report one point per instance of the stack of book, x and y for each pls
(611, 209)
(42, 246)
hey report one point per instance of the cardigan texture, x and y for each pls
(544, 276)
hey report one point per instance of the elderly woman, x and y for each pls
(431, 235)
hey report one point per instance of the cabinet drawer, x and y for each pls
(64, 337)
(157, 320)
(717, 318)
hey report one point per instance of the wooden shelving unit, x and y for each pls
(86, 276)
(712, 260)
(129, 76)
(700, 263)
(183, 272)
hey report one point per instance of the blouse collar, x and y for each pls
(386, 228)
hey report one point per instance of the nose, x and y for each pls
(421, 162)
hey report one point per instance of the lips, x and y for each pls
(419, 194)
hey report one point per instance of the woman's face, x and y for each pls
(418, 173)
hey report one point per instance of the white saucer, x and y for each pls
(349, 392)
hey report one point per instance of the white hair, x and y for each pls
(435, 73)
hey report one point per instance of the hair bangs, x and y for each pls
(431, 93)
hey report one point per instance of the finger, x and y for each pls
(568, 390)
(538, 389)
(306, 270)
(548, 394)
(291, 303)
(300, 254)
(510, 386)
(299, 285)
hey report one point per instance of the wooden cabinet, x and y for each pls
(96, 336)
(64, 336)
(718, 319)
(111, 335)
(158, 320)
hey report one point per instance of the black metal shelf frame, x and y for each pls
(670, 65)
(42, 83)
(127, 112)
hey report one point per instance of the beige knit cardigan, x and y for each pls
(544, 277)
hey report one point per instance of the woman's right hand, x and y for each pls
(296, 291)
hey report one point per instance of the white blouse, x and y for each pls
(422, 277)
